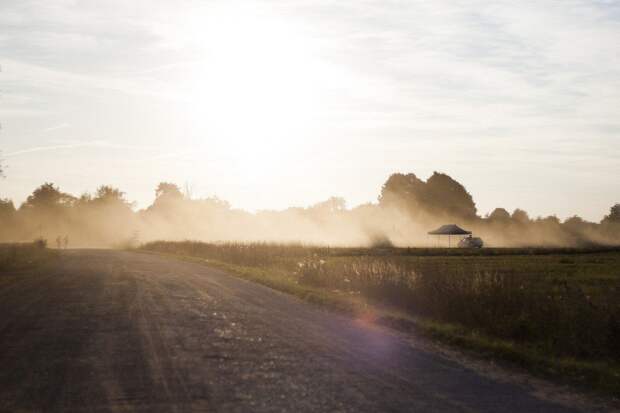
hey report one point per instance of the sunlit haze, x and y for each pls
(275, 104)
(309, 206)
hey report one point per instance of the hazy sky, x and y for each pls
(273, 104)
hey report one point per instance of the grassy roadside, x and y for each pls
(600, 377)
(16, 257)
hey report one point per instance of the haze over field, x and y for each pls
(407, 208)
(287, 103)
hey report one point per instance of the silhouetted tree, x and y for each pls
(610, 224)
(440, 195)
(614, 215)
(575, 220)
(169, 191)
(499, 214)
(47, 211)
(450, 196)
(7, 210)
(580, 230)
(48, 197)
(84, 200)
(402, 189)
(108, 195)
(576, 224)
(169, 202)
(8, 221)
(521, 216)
(105, 217)
(549, 220)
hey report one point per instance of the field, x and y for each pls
(552, 309)
(20, 256)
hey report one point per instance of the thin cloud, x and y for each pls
(51, 148)
(76, 145)
(56, 127)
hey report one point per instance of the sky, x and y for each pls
(271, 104)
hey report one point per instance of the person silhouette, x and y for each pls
(66, 241)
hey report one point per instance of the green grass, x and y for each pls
(554, 312)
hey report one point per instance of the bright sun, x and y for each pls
(255, 85)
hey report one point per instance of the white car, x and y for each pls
(471, 242)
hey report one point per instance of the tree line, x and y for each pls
(407, 208)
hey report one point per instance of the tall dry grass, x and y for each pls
(561, 316)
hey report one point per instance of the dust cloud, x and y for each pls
(407, 208)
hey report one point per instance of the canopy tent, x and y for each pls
(450, 229)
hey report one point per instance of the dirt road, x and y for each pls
(117, 331)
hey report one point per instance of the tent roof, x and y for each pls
(450, 229)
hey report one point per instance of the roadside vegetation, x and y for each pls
(21, 256)
(553, 311)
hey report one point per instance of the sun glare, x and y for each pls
(255, 86)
